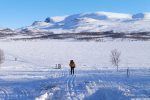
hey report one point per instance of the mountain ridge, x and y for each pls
(93, 22)
(85, 26)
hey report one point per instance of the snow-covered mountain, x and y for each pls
(88, 26)
(92, 22)
(6, 32)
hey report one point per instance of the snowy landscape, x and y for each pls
(29, 70)
(96, 26)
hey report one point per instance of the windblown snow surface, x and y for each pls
(32, 75)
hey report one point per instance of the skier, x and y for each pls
(72, 66)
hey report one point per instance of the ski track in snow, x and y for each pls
(16, 94)
(95, 82)
(71, 87)
(59, 85)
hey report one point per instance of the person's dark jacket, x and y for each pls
(72, 65)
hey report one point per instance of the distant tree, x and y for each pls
(2, 57)
(115, 58)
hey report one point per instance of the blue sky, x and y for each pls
(18, 13)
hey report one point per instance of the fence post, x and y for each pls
(128, 72)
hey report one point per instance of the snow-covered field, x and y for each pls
(32, 75)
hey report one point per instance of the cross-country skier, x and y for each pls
(72, 66)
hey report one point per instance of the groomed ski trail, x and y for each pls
(71, 90)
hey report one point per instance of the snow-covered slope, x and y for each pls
(6, 32)
(141, 16)
(93, 22)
